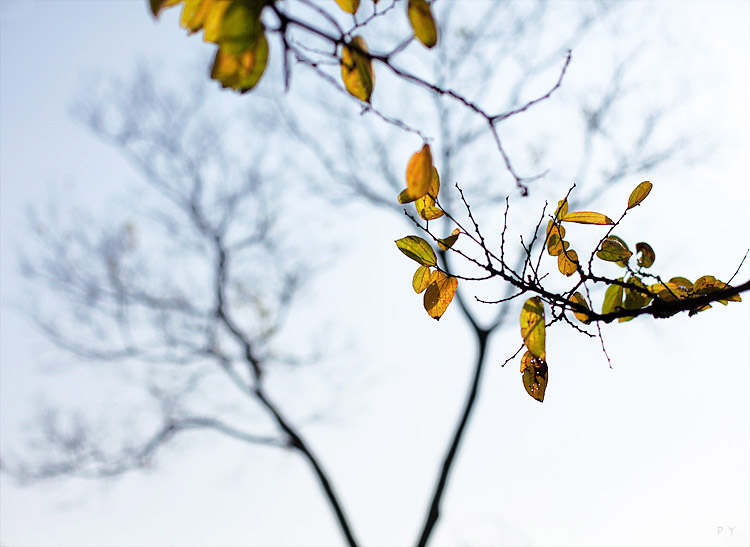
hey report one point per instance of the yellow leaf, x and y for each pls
(439, 294)
(567, 262)
(448, 242)
(555, 245)
(241, 70)
(562, 209)
(194, 13)
(535, 375)
(419, 176)
(532, 326)
(669, 291)
(417, 249)
(421, 279)
(639, 194)
(426, 204)
(555, 235)
(706, 284)
(349, 6)
(356, 69)
(583, 317)
(647, 257)
(585, 217)
(682, 282)
(553, 228)
(422, 21)
(612, 298)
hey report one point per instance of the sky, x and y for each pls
(654, 451)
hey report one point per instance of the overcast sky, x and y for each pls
(655, 451)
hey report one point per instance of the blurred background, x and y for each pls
(111, 134)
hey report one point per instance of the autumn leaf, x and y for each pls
(448, 242)
(419, 176)
(555, 235)
(634, 299)
(639, 194)
(422, 21)
(439, 294)
(567, 262)
(194, 13)
(669, 291)
(349, 6)
(535, 375)
(583, 317)
(532, 326)
(562, 209)
(585, 217)
(613, 249)
(356, 69)
(426, 204)
(417, 249)
(241, 71)
(647, 257)
(421, 279)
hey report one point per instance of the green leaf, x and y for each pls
(349, 6)
(613, 249)
(612, 298)
(233, 24)
(439, 294)
(535, 375)
(448, 242)
(639, 194)
(586, 217)
(422, 21)
(647, 257)
(567, 262)
(532, 327)
(417, 249)
(583, 317)
(634, 300)
(241, 71)
(356, 70)
(421, 279)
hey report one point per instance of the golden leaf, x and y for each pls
(583, 317)
(532, 326)
(448, 242)
(356, 69)
(242, 70)
(439, 294)
(639, 194)
(586, 217)
(349, 6)
(421, 279)
(535, 375)
(567, 262)
(422, 21)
